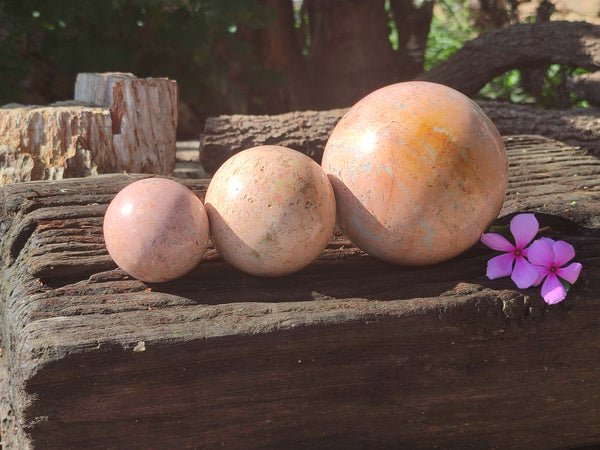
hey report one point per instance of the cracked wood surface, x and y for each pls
(349, 352)
(116, 123)
(308, 131)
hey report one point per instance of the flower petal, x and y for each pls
(540, 253)
(496, 241)
(542, 272)
(524, 227)
(563, 253)
(553, 290)
(570, 273)
(524, 273)
(500, 266)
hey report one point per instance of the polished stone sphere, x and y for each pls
(271, 210)
(156, 229)
(419, 172)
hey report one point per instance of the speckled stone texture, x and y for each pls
(419, 172)
(156, 229)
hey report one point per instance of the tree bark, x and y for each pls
(53, 142)
(97, 89)
(576, 126)
(350, 52)
(308, 131)
(116, 122)
(412, 25)
(575, 44)
(279, 50)
(490, 14)
(305, 131)
(586, 87)
(348, 352)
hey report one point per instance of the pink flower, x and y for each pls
(549, 256)
(523, 227)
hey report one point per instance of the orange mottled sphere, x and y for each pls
(419, 172)
(271, 210)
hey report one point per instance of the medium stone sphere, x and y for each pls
(419, 172)
(156, 229)
(271, 210)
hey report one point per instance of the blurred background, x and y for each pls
(260, 56)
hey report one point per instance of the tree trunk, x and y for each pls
(308, 131)
(412, 26)
(586, 87)
(533, 79)
(490, 14)
(349, 352)
(350, 53)
(279, 50)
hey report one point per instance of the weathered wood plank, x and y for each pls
(305, 131)
(308, 131)
(349, 352)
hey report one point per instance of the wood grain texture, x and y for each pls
(58, 141)
(347, 353)
(131, 128)
(518, 46)
(305, 131)
(97, 88)
(308, 131)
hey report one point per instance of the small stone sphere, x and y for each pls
(271, 210)
(156, 229)
(419, 172)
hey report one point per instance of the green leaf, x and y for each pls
(565, 283)
(502, 230)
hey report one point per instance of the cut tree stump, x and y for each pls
(308, 131)
(116, 122)
(349, 352)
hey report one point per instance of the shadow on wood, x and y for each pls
(348, 353)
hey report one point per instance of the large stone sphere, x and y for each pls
(156, 229)
(271, 210)
(419, 172)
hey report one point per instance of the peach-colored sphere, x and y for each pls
(156, 229)
(271, 210)
(419, 172)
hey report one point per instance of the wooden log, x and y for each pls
(349, 352)
(519, 46)
(8, 427)
(117, 122)
(586, 87)
(53, 142)
(15, 166)
(97, 88)
(305, 131)
(527, 46)
(308, 131)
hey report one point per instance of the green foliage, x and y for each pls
(554, 77)
(507, 87)
(203, 44)
(195, 42)
(451, 27)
